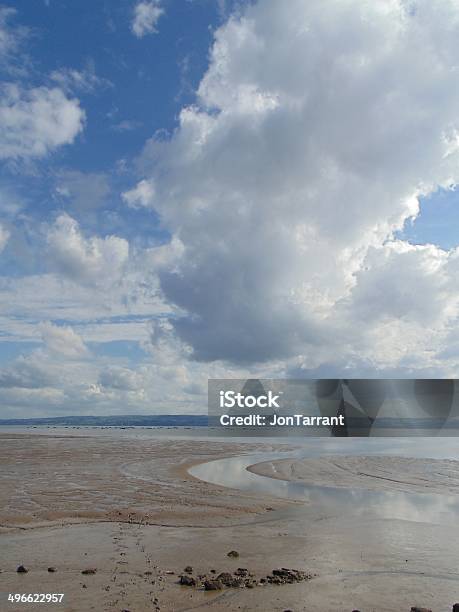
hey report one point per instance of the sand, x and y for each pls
(131, 511)
(377, 473)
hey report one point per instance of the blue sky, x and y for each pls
(198, 188)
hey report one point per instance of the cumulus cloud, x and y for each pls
(35, 121)
(123, 379)
(146, 16)
(141, 196)
(318, 125)
(25, 373)
(63, 340)
(91, 260)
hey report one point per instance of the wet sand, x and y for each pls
(373, 473)
(130, 510)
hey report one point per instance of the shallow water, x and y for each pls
(323, 502)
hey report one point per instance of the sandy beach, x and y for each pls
(373, 473)
(131, 511)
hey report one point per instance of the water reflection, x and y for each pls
(331, 502)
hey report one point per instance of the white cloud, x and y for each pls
(4, 236)
(11, 38)
(88, 260)
(27, 373)
(141, 196)
(317, 128)
(120, 378)
(72, 80)
(34, 122)
(146, 16)
(126, 125)
(63, 340)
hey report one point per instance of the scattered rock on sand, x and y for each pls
(22, 570)
(233, 554)
(213, 585)
(187, 580)
(89, 572)
(287, 576)
(228, 580)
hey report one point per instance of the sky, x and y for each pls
(194, 189)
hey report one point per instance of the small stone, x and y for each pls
(417, 609)
(22, 570)
(228, 580)
(51, 570)
(169, 572)
(187, 580)
(188, 569)
(213, 585)
(233, 554)
(89, 572)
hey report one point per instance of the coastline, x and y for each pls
(139, 518)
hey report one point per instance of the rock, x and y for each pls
(233, 554)
(89, 572)
(22, 570)
(187, 580)
(456, 607)
(286, 576)
(241, 571)
(169, 572)
(213, 585)
(417, 609)
(188, 569)
(212, 571)
(228, 580)
(51, 570)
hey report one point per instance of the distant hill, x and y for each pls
(129, 420)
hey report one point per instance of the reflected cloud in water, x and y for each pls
(329, 501)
